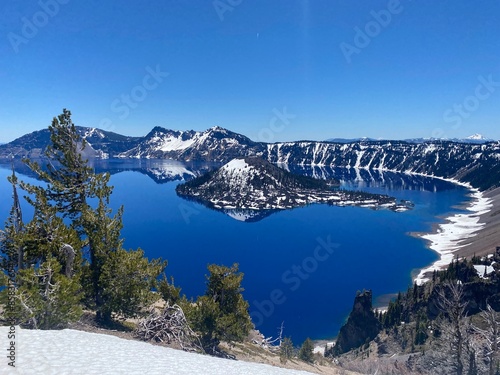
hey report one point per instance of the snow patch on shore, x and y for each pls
(450, 235)
(76, 352)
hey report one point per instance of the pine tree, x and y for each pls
(306, 351)
(11, 248)
(169, 292)
(114, 281)
(47, 236)
(70, 181)
(43, 293)
(129, 278)
(103, 236)
(222, 313)
(47, 299)
(286, 350)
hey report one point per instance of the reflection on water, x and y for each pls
(164, 170)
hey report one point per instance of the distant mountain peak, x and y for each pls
(219, 129)
(477, 137)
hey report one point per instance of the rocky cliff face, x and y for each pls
(477, 164)
(362, 326)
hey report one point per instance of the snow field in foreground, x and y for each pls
(75, 352)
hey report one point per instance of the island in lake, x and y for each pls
(252, 184)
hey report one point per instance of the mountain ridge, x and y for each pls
(474, 138)
(476, 164)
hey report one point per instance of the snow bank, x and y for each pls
(76, 352)
(483, 270)
(450, 235)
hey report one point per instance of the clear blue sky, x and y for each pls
(417, 74)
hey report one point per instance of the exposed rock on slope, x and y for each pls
(362, 325)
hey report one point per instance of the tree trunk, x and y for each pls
(70, 257)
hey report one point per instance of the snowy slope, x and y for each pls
(76, 352)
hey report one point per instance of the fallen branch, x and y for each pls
(170, 325)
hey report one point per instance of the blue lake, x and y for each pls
(302, 266)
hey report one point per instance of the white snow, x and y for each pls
(92, 131)
(81, 353)
(173, 143)
(477, 137)
(451, 234)
(481, 268)
(235, 164)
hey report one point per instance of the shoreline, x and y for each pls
(464, 234)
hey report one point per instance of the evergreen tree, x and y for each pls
(114, 281)
(128, 279)
(306, 351)
(70, 181)
(45, 298)
(39, 259)
(222, 313)
(47, 236)
(286, 350)
(103, 236)
(11, 247)
(169, 292)
(421, 324)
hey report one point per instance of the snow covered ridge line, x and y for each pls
(466, 162)
(81, 353)
(476, 164)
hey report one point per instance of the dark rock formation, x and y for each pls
(362, 325)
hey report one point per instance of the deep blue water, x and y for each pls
(368, 249)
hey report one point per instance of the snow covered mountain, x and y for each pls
(215, 144)
(101, 144)
(255, 184)
(475, 138)
(475, 163)
(478, 138)
(350, 140)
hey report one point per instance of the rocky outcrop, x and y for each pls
(361, 327)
